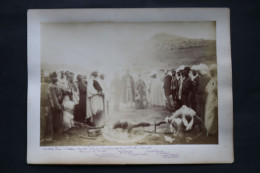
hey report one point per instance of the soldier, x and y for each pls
(186, 87)
(56, 109)
(46, 116)
(167, 88)
(174, 87)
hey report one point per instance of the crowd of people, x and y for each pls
(66, 100)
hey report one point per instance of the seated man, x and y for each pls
(187, 125)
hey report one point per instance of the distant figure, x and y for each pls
(115, 91)
(140, 99)
(128, 92)
(156, 92)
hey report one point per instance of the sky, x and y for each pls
(110, 46)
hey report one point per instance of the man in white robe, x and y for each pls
(156, 92)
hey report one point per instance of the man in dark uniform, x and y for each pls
(128, 91)
(167, 88)
(195, 83)
(140, 87)
(56, 109)
(174, 87)
(81, 113)
(46, 116)
(185, 87)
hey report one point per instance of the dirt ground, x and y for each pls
(81, 136)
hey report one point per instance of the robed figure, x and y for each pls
(156, 92)
(115, 91)
(95, 101)
(128, 92)
(211, 107)
(140, 99)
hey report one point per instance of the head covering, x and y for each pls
(102, 75)
(169, 72)
(153, 74)
(180, 68)
(94, 73)
(213, 67)
(203, 69)
(186, 68)
(194, 68)
(79, 76)
(213, 70)
(53, 74)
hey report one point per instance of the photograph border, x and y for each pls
(148, 154)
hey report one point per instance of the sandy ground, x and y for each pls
(80, 136)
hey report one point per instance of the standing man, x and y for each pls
(167, 88)
(46, 116)
(128, 92)
(62, 82)
(174, 87)
(184, 88)
(140, 88)
(115, 91)
(82, 99)
(56, 109)
(195, 81)
(73, 89)
(201, 95)
(106, 93)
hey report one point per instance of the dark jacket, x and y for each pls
(167, 85)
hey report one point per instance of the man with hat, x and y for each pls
(174, 86)
(185, 87)
(195, 82)
(128, 92)
(46, 116)
(140, 87)
(167, 88)
(74, 95)
(56, 109)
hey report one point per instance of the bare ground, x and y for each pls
(80, 136)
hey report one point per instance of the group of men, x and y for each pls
(193, 90)
(65, 100)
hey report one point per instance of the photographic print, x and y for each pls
(118, 88)
(116, 83)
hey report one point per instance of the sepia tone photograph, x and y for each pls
(128, 83)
